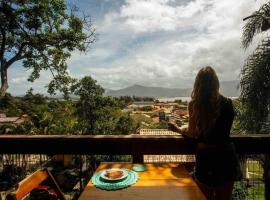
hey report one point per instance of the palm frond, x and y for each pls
(255, 85)
(257, 23)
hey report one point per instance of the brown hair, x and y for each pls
(205, 101)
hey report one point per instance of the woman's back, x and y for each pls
(219, 133)
(211, 118)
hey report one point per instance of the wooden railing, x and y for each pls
(136, 145)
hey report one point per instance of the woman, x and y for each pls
(211, 117)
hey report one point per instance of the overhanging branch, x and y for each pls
(18, 55)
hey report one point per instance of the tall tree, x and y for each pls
(255, 81)
(41, 34)
(100, 114)
(90, 94)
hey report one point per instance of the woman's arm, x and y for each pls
(186, 130)
(190, 131)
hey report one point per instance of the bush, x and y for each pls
(239, 191)
(146, 108)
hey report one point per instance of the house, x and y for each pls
(141, 104)
(13, 120)
(166, 106)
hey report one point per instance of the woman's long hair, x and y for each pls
(205, 101)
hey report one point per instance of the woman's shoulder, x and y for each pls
(226, 103)
(225, 100)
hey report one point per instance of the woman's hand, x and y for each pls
(174, 127)
(184, 129)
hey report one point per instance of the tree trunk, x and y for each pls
(4, 81)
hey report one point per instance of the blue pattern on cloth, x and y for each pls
(99, 182)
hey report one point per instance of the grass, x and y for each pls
(255, 169)
(256, 192)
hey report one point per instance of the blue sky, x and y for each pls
(155, 43)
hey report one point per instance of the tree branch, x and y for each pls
(18, 55)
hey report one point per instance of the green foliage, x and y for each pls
(105, 120)
(255, 85)
(42, 34)
(146, 108)
(257, 22)
(241, 121)
(162, 125)
(60, 120)
(124, 101)
(239, 191)
(141, 119)
(89, 104)
(256, 192)
(26, 127)
(125, 124)
(255, 79)
(92, 114)
(7, 128)
(100, 115)
(34, 98)
(8, 105)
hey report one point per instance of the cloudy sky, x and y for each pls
(155, 43)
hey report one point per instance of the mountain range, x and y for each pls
(227, 88)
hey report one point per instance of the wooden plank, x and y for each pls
(29, 183)
(170, 192)
(120, 144)
(160, 181)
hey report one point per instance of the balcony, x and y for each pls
(249, 146)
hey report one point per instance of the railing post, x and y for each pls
(137, 158)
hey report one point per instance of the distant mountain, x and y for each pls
(228, 88)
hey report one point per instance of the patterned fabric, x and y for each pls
(103, 184)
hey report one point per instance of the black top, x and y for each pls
(217, 162)
(220, 132)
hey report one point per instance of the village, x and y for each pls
(159, 112)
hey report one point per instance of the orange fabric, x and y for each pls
(28, 184)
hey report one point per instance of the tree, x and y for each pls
(60, 120)
(30, 97)
(255, 81)
(255, 75)
(8, 105)
(99, 114)
(41, 34)
(125, 124)
(90, 94)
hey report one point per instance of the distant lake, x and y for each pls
(172, 99)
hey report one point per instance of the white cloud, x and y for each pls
(161, 43)
(159, 15)
(199, 33)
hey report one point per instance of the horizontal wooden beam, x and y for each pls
(119, 144)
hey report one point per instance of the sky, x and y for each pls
(159, 43)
